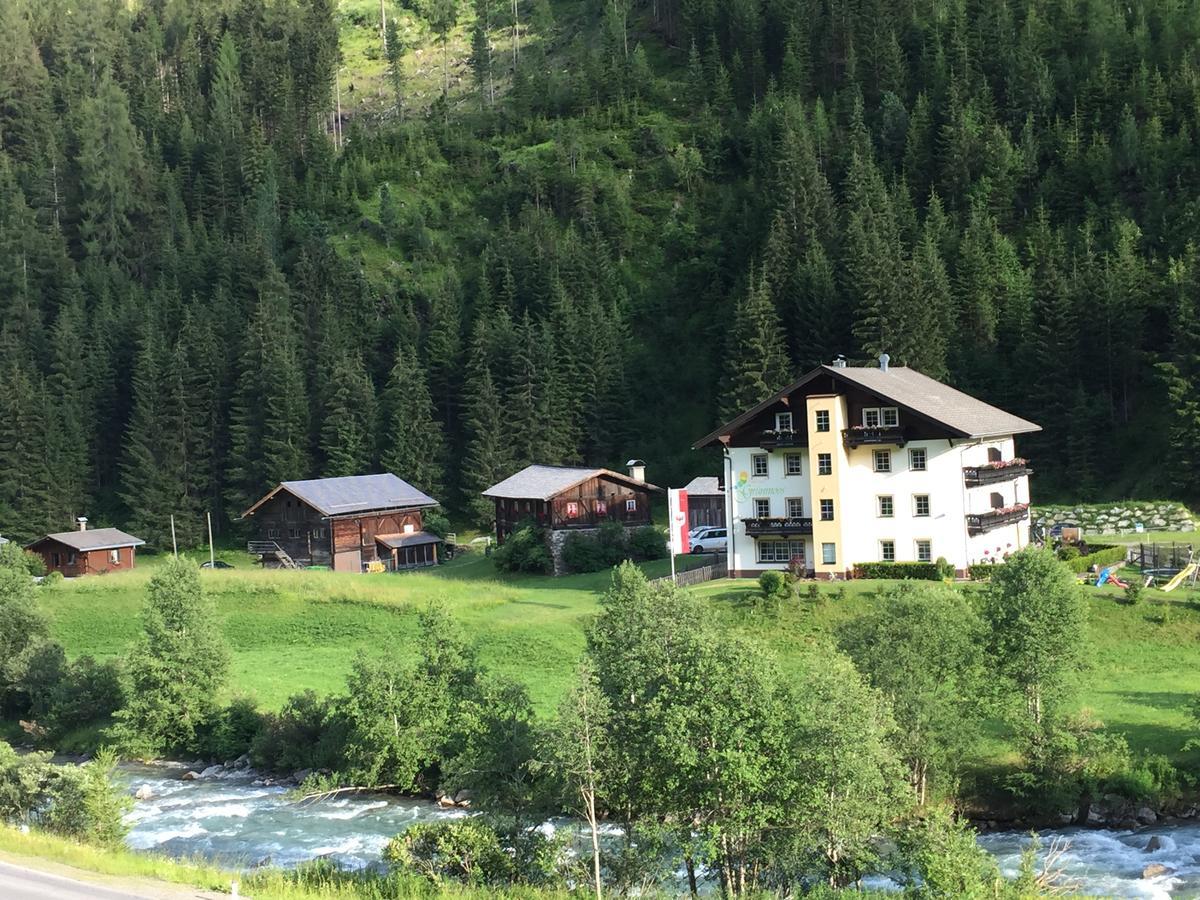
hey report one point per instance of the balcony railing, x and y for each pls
(860, 435)
(771, 440)
(995, 473)
(777, 526)
(997, 518)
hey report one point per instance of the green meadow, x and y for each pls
(292, 630)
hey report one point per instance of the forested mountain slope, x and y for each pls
(582, 236)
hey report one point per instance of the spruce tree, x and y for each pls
(487, 456)
(756, 363)
(348, 419)
(410, 439)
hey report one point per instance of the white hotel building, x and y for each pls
(868, 464)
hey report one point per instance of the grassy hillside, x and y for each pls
(295, 630)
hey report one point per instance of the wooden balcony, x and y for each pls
(778, 526)
(997, 518)
(995, 473)
(861, 436)
(628, 509)
(776, 440)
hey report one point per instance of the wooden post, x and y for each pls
(383, 24)
(174, 546)
(212, 557)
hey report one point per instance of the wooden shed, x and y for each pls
(88, 551)
(346, 523)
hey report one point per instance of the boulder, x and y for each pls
(445, 802)
(300, 775)
(1095, 817)
(262, 862)
(212, 771)
(1147, 816)
(143, 793)
(1154, 870)
(1154, 844)
(189, 775)
(242, 762)
(463, 796)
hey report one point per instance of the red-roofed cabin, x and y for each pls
(94, 551)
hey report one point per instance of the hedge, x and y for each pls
(920, 571)
(1101, 555)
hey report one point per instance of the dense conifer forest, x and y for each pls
(564, 231)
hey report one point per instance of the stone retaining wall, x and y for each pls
(1119, 518)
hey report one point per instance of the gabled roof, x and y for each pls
(93, 539)
(543, 482)
(704, 486)
(960, 413)
(352, 494)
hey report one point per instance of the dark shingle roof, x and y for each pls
(415, 539)
(928, 397)
(543, 482)
(352, 494)
(704, 486)
(94, 539)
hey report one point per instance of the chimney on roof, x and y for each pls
(839, 362)
(82, 520)
(636, 469)
(884, 359)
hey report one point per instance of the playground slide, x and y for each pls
(1179, 579)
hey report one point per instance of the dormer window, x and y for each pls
(783, 422)
(890, 416)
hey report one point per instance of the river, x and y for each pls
(229, 819)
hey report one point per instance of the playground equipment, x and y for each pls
(1109, 576)
(1188, 571)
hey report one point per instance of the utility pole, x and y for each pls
(212, 557)
(174, 546)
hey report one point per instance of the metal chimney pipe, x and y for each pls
(884, 359)
(82, 520)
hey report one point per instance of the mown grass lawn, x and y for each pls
(294, 630)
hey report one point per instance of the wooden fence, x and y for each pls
(708, 572)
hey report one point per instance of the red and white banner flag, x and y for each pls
(677, 503)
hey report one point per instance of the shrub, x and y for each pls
(898, 570)
(647, 542)
(981, 571)
(465, 850)
(232, 731)
(524, 551)
(1098, 555)
(774, 590)
(614, 543)
(308, 733)
(435, 522)
(88, 692)
(581, 552)
(945, 568)
(1133, 593)
(52, 578)
(12, 556)
(1068, 552)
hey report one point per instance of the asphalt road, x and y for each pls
(19, 883)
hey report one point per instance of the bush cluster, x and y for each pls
(524, 551)
(899, 570)
(610, 545)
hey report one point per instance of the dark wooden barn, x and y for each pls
(705, 502)
(347, 523)
(88, 551)
(569, 497)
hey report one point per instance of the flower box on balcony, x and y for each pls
(770, 440)
(860, 435)
(982, 523)
(778, 526)
(995, 473)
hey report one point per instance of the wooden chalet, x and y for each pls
(559, 498)
(705, 502)
(349, 523)
(88, 551)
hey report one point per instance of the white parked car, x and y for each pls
(712, 540)
(700, 530)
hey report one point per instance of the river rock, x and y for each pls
(1154, 844)
(262, 862)
(1154, 870)
(212, 771)
(242, 762)
(189, 775)
(1147, 816)
(300, 775)
(463, 797)
(445, 801)
(143, 793)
